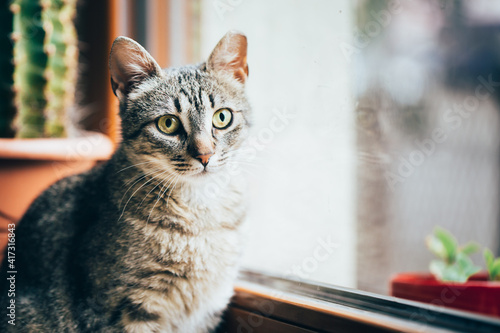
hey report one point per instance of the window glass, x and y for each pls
(301, 165)
(374, 122)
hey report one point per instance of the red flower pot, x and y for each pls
(476, 295)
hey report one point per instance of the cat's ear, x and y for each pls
(129, 64)
(230, 56)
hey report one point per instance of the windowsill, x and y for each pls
(265, 303)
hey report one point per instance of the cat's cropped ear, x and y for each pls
(230, 56)
(129, 64)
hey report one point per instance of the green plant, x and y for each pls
(30, 61)
(453, 263)
(45, 61)
(62, 63)
(492, 264)
(7, 109)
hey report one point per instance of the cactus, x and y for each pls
(62, 63)
(7, 109)
(45, 58)
(30, 60)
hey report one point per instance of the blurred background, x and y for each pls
(374, 122)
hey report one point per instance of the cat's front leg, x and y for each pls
(142, 327)
(137, 325)
(141, 316)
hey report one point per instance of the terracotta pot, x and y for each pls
(476, 295)
(29, 166)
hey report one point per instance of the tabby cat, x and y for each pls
(138, 244)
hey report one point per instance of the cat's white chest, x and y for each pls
(206, 265)
(214, 205)
(200, 251)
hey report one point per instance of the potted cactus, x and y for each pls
(455, 281)
(40, 67)
(38, 75)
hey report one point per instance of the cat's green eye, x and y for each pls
(222, 118)
(168, 124)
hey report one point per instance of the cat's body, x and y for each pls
(141, 244)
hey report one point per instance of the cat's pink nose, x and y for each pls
(204, 158)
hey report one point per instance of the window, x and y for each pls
(368, 130)
(302, 220)
(301, 161)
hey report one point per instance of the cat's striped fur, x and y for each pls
(139, 244)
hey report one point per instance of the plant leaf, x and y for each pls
(465, 265)
(470, 248)
(455, 264)
(495, 270)
(492, 264)
(436, 247)
(437, 268)
(471, 270)
(454, 274)
(459, 271)
(449, 242)
(451, 274)
(488, 258)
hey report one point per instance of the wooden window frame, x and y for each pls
(159, 33)
(267, 303)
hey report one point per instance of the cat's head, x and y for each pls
(187, 121)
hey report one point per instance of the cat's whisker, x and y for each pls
(141, 175)
(168, 198)
(168, 182)
(146, 174)
(145, 183)
(131, 166)
(161, 193)
(137, 179)
(157, 176)
(239, 156)
(246, 164)
(164, 182)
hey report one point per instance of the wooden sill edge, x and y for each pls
(94, 146)
(243, 289)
